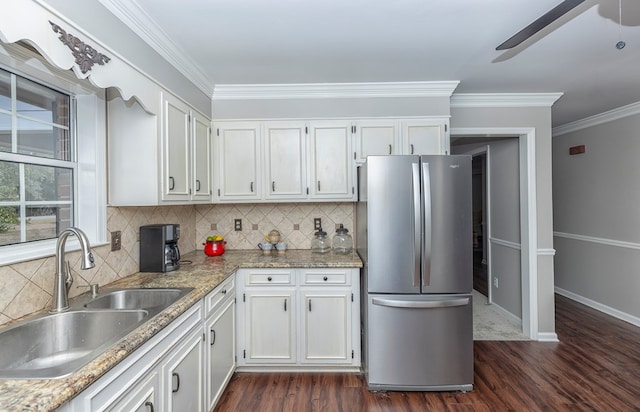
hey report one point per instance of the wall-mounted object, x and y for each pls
(576, 150)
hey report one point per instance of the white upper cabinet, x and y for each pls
(202, 173)
(425, 136)
(239, 161)
(279, 161)
(157, 159)
(331, 164)
(285, 160)
(175, 135)
(376, 137)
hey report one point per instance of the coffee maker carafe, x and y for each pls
(159, 248)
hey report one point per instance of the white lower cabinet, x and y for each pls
(269, 327)
(326, 326)
(185, 367)
(298, 319)
(143, 397)
(220, 341)
(182, 375)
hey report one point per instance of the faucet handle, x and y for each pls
(94, 287)
(69, 278)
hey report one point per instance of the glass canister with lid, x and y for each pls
(342, 240)
(320, 242)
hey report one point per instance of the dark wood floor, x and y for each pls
(595, 367)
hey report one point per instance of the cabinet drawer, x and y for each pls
(275, 277)
(216, 296)
(326, 277)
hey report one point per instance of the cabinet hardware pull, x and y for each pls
(309, 305)
(177, 376)
(411, 148)
(224, 291)
(251, 187)
(213, 336)
(197, 185)
(285, 305)
(389, 149)
(150, 405)
(269, 278)
(273, 186)
(172, 183)
(325, 278)
(318, 185)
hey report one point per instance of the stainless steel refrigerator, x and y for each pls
(413, 226)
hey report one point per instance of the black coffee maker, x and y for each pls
(159, 248)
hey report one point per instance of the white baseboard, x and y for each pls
(547, 337)
(634, 320)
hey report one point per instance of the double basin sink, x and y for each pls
(55, 345)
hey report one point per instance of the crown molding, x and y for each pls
(504, 99)
(134, 17)
(608, 116)
(333, 90)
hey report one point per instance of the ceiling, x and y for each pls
(338, 41)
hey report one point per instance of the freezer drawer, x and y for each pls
(419, 342)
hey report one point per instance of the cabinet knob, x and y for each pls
(269, 279)
(325, 278)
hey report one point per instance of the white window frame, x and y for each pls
(90, 206)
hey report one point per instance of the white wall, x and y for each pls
(597, 223)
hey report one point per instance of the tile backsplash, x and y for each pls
(294, 221)
(27, 287)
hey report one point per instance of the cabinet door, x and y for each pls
(142, 398)
(220, 352)
(326, 335)
(239, 148)
(285, 160)
(182, 375)
(376, 137)
(269, 323)
(331, 165)
(175, 133)
(425, 136)
(201, 138)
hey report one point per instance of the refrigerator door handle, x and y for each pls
(416, 225)
(426, 274)
(412, 304)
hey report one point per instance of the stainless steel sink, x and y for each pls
(56, 345)
(137, 299)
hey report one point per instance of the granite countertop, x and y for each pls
(196, 271)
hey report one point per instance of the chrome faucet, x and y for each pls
(63, 278)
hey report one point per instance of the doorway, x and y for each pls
(479, 202)
(521, 249)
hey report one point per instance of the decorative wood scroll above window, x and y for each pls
(86, 56)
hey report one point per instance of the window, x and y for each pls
(37, 165)
(52, 156)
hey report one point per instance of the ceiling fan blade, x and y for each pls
(542, 22)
